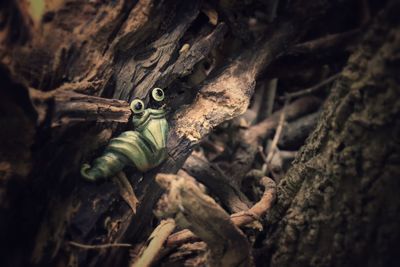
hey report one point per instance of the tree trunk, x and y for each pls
(338, 204)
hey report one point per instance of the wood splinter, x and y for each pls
(126, 190)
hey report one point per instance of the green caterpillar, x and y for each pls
(144, 148)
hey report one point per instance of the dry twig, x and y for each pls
(126, 190)
(154, 244)
(312, 89)
(325, 43)
(275, 140)
(101, 246)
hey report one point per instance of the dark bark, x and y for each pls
(338, 204)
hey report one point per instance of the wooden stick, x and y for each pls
(324, 43)
(312, 89)
(155, 243)
(277, 135)
(100, 246)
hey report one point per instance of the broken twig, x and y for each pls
(154, 244)
(101, 246)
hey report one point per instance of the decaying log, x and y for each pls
(191, 208)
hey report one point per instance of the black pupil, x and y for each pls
(159, 93)
(138, 106)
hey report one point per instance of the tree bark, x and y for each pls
(338, 204)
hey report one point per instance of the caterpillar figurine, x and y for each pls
(143, 148)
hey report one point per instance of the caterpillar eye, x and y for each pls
(157, 94)
(137, 106)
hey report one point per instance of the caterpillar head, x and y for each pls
(151, 121)
(156, 102)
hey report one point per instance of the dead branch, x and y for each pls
(227, 95)
(274, 144)
(297, 131)
(66, 106)
(100, 246)
(331, 41)
(187, 203)
(312, 89)
(240, 219)
(259, 209)
(154, 244)
(216, 181)
(189, 254)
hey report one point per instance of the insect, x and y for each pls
(144, 148)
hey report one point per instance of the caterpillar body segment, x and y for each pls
(143, 148)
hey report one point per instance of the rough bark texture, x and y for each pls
(338, 204)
